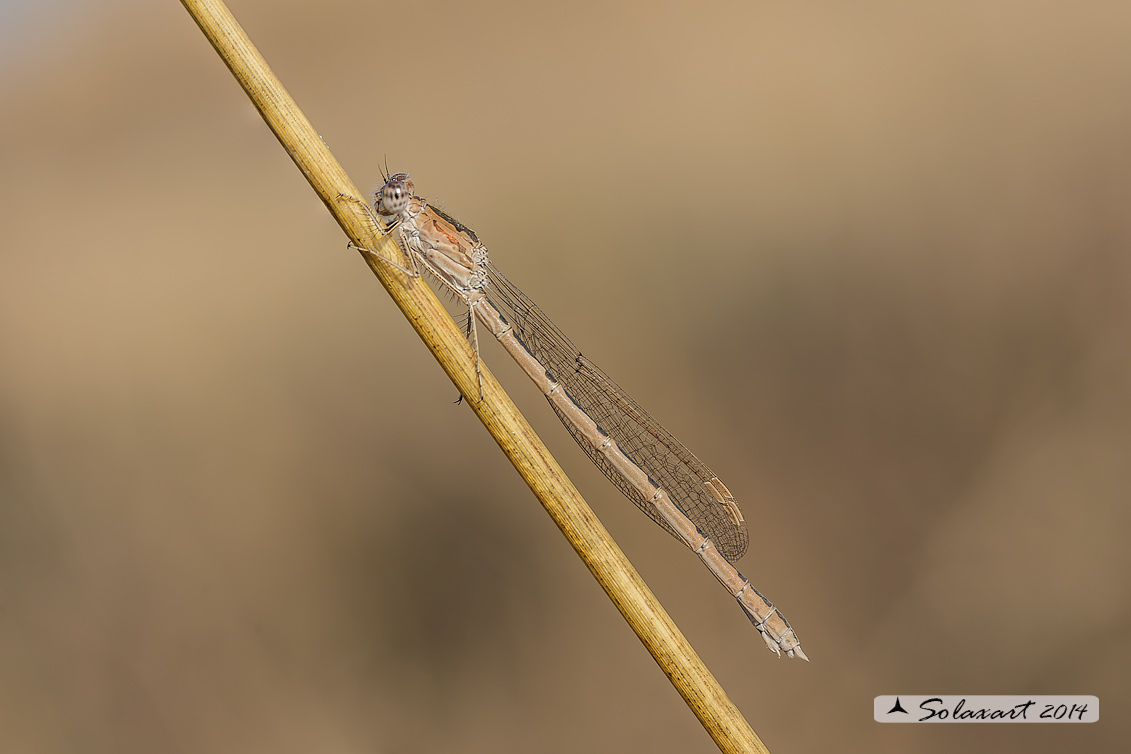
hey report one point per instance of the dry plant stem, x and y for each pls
(431, 321)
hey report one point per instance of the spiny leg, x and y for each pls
(414, 272)
(471, 332)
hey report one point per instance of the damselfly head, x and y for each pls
(392, 198)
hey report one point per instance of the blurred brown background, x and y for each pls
(869, 262)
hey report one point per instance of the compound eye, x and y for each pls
(395, 198)
(394, 195)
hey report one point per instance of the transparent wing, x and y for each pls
(691, 485)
